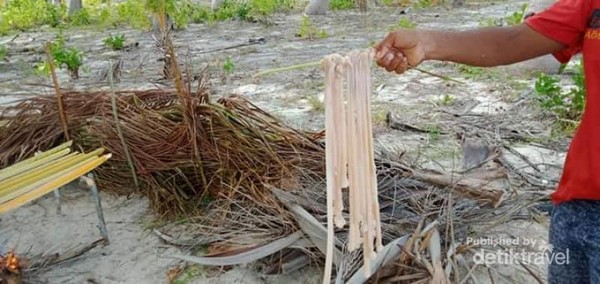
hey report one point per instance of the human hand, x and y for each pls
(399, 51)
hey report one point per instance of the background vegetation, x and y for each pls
(566, 105)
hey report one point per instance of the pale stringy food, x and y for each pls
(350, 155)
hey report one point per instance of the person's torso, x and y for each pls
(581, 177)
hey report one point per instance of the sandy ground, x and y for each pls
(135, 254)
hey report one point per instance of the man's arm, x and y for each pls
(485, 47)
(488, 47)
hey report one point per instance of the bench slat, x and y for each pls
(34, 177)
(19, 167)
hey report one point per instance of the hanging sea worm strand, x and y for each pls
(335, 154)
(350, 155)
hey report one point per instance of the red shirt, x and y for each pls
(576, 24)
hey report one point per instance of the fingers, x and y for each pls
(385, 60)
(402, 66)
(393, 62)
(389, 54)
(383, 47)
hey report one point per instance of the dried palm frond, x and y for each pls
(241, 147)
(191, 157)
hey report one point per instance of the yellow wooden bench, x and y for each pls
(48, 171)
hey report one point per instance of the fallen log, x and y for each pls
(466, 186)
(474, 189)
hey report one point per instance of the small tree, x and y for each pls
(215, 4)
(74, 6)
(317, 7)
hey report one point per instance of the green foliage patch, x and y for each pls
(20, 15)
(568, 105)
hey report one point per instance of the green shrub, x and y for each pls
(228, 10)
(115, 42)
(70, 58)
(56, 14)
(567, 105)
(263, 7)
(228, 66)
(308, 30)
(81, 18)
(422, 4)
(26, 14)
(471, 72)
(516, 17)
(341, 4)
(134, 14)
(3, 52)
(490, 22)
(513, 19)
(403, 23)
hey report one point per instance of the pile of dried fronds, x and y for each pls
(425, 226)
(240, 147)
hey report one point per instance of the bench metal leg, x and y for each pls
(58, 207)
(97, 201)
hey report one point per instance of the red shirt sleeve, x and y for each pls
(564, 21)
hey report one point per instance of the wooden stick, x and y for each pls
(289, 68)
(318, 63)
(59, 97)
(115, 111)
